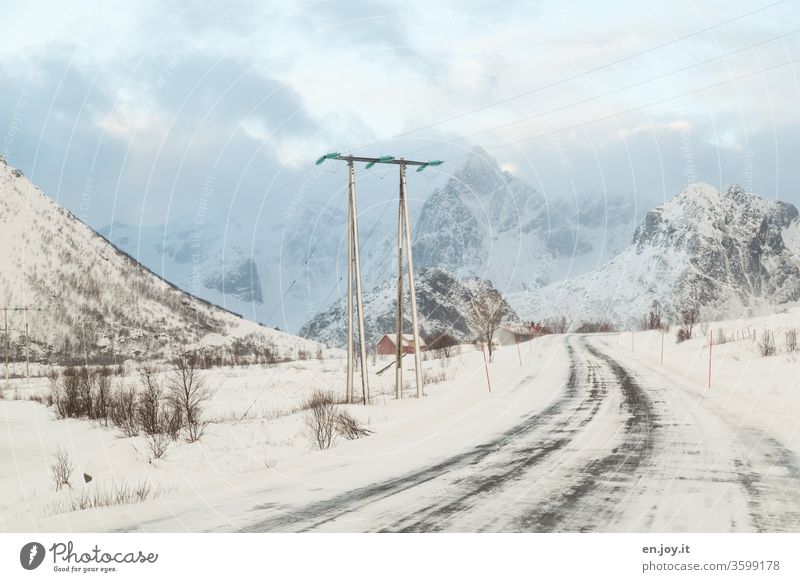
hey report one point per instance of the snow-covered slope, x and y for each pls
(730, 253)
(443, 304)
(96, 302)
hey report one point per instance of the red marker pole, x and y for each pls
(710, 346)
(486, 366)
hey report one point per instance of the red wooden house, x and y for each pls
(387, 347)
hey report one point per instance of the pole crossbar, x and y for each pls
(396, 162)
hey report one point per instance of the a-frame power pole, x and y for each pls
(354, 268)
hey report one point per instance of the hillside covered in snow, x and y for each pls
(95, 302)
(729, 253)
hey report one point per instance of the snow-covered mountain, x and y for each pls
(483, 222)
(443, 305)
(729, 253)
(96, 302)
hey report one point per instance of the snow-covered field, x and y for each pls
(257, 437)
(590, 433)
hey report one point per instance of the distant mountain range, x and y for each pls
(483, 222)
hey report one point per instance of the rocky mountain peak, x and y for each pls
(729, 252)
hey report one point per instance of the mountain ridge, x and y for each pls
(726, 252)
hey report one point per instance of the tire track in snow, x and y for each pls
(717, 452)
(544, 435)
(510, 460)
(588, 502)
(319, 513)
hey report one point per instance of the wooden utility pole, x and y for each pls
(403, 237)
(412, 291)
(6, 309)
(362, 336)
(5, 335)
(27, 359)
(349, 301)
(398, 368)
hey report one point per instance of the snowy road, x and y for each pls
(614, 452)
(587, 435)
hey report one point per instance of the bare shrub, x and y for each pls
(596, 327)
(61, 469)
(189, 394)
(269, 354)
(71, 392)
(150, 401)
(431, 377)
(349, 426)
(122, 494)
(766, 344)
(558, 324)
(653, 319)
(86, 390)
(155, 414)
(487, 311)
(44, 399)
(687, 318)
(441, 344)
(123, 411)
(102, 394)
(791, 340)
(721, 337)
(320, 420)
(56, 393)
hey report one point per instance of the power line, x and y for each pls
(633, 109)
(535, 90)
(609, 93)
(575, 76)
(316, 246)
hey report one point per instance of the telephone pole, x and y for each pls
(6, 309)
(403, 237)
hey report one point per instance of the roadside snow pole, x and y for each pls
(486, 367)
(519, 355)
(710, 347)
(662, 346)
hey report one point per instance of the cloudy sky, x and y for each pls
(140, 112)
